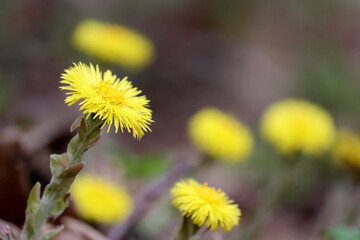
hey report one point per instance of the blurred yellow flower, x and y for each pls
(220, 135)
(113, 100)
(113, 43)
(100, 200)
(297, 125)
(347, 149)
(205, 205)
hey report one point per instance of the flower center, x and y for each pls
(210, 194)
(111, 92)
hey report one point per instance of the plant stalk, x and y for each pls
(186, 230)
(64, 169)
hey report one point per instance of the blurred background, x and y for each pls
(239, 56)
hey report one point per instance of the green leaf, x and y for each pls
(92, 142)
(31, 210)
(76, 123)
(58, 162)
(72, 150)
(59, 205)
(69, 174)
(344, 233)
(33, 200)
(94, 128)
(83, 130)
(52, 233)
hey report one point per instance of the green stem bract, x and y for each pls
(64, 169)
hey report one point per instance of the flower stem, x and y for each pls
(64, 169)
(186, 230)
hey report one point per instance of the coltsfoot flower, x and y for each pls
(99, 200)
(112, 100)
(296, 125)
(205, 205)
(347, 149)
(113, 43)
(220, 135)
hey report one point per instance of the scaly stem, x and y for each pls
(64, 169)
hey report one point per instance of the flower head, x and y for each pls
(100, 200)
(220, 135)
(113, 43)
(205, 205)
(347, 149)
(297, 125)
(112, 100)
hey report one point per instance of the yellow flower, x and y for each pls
(205, 205)
(113, 43)
(347, 149)
(100, 200)
(113, 100)
(297, 125)
(220, 135)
